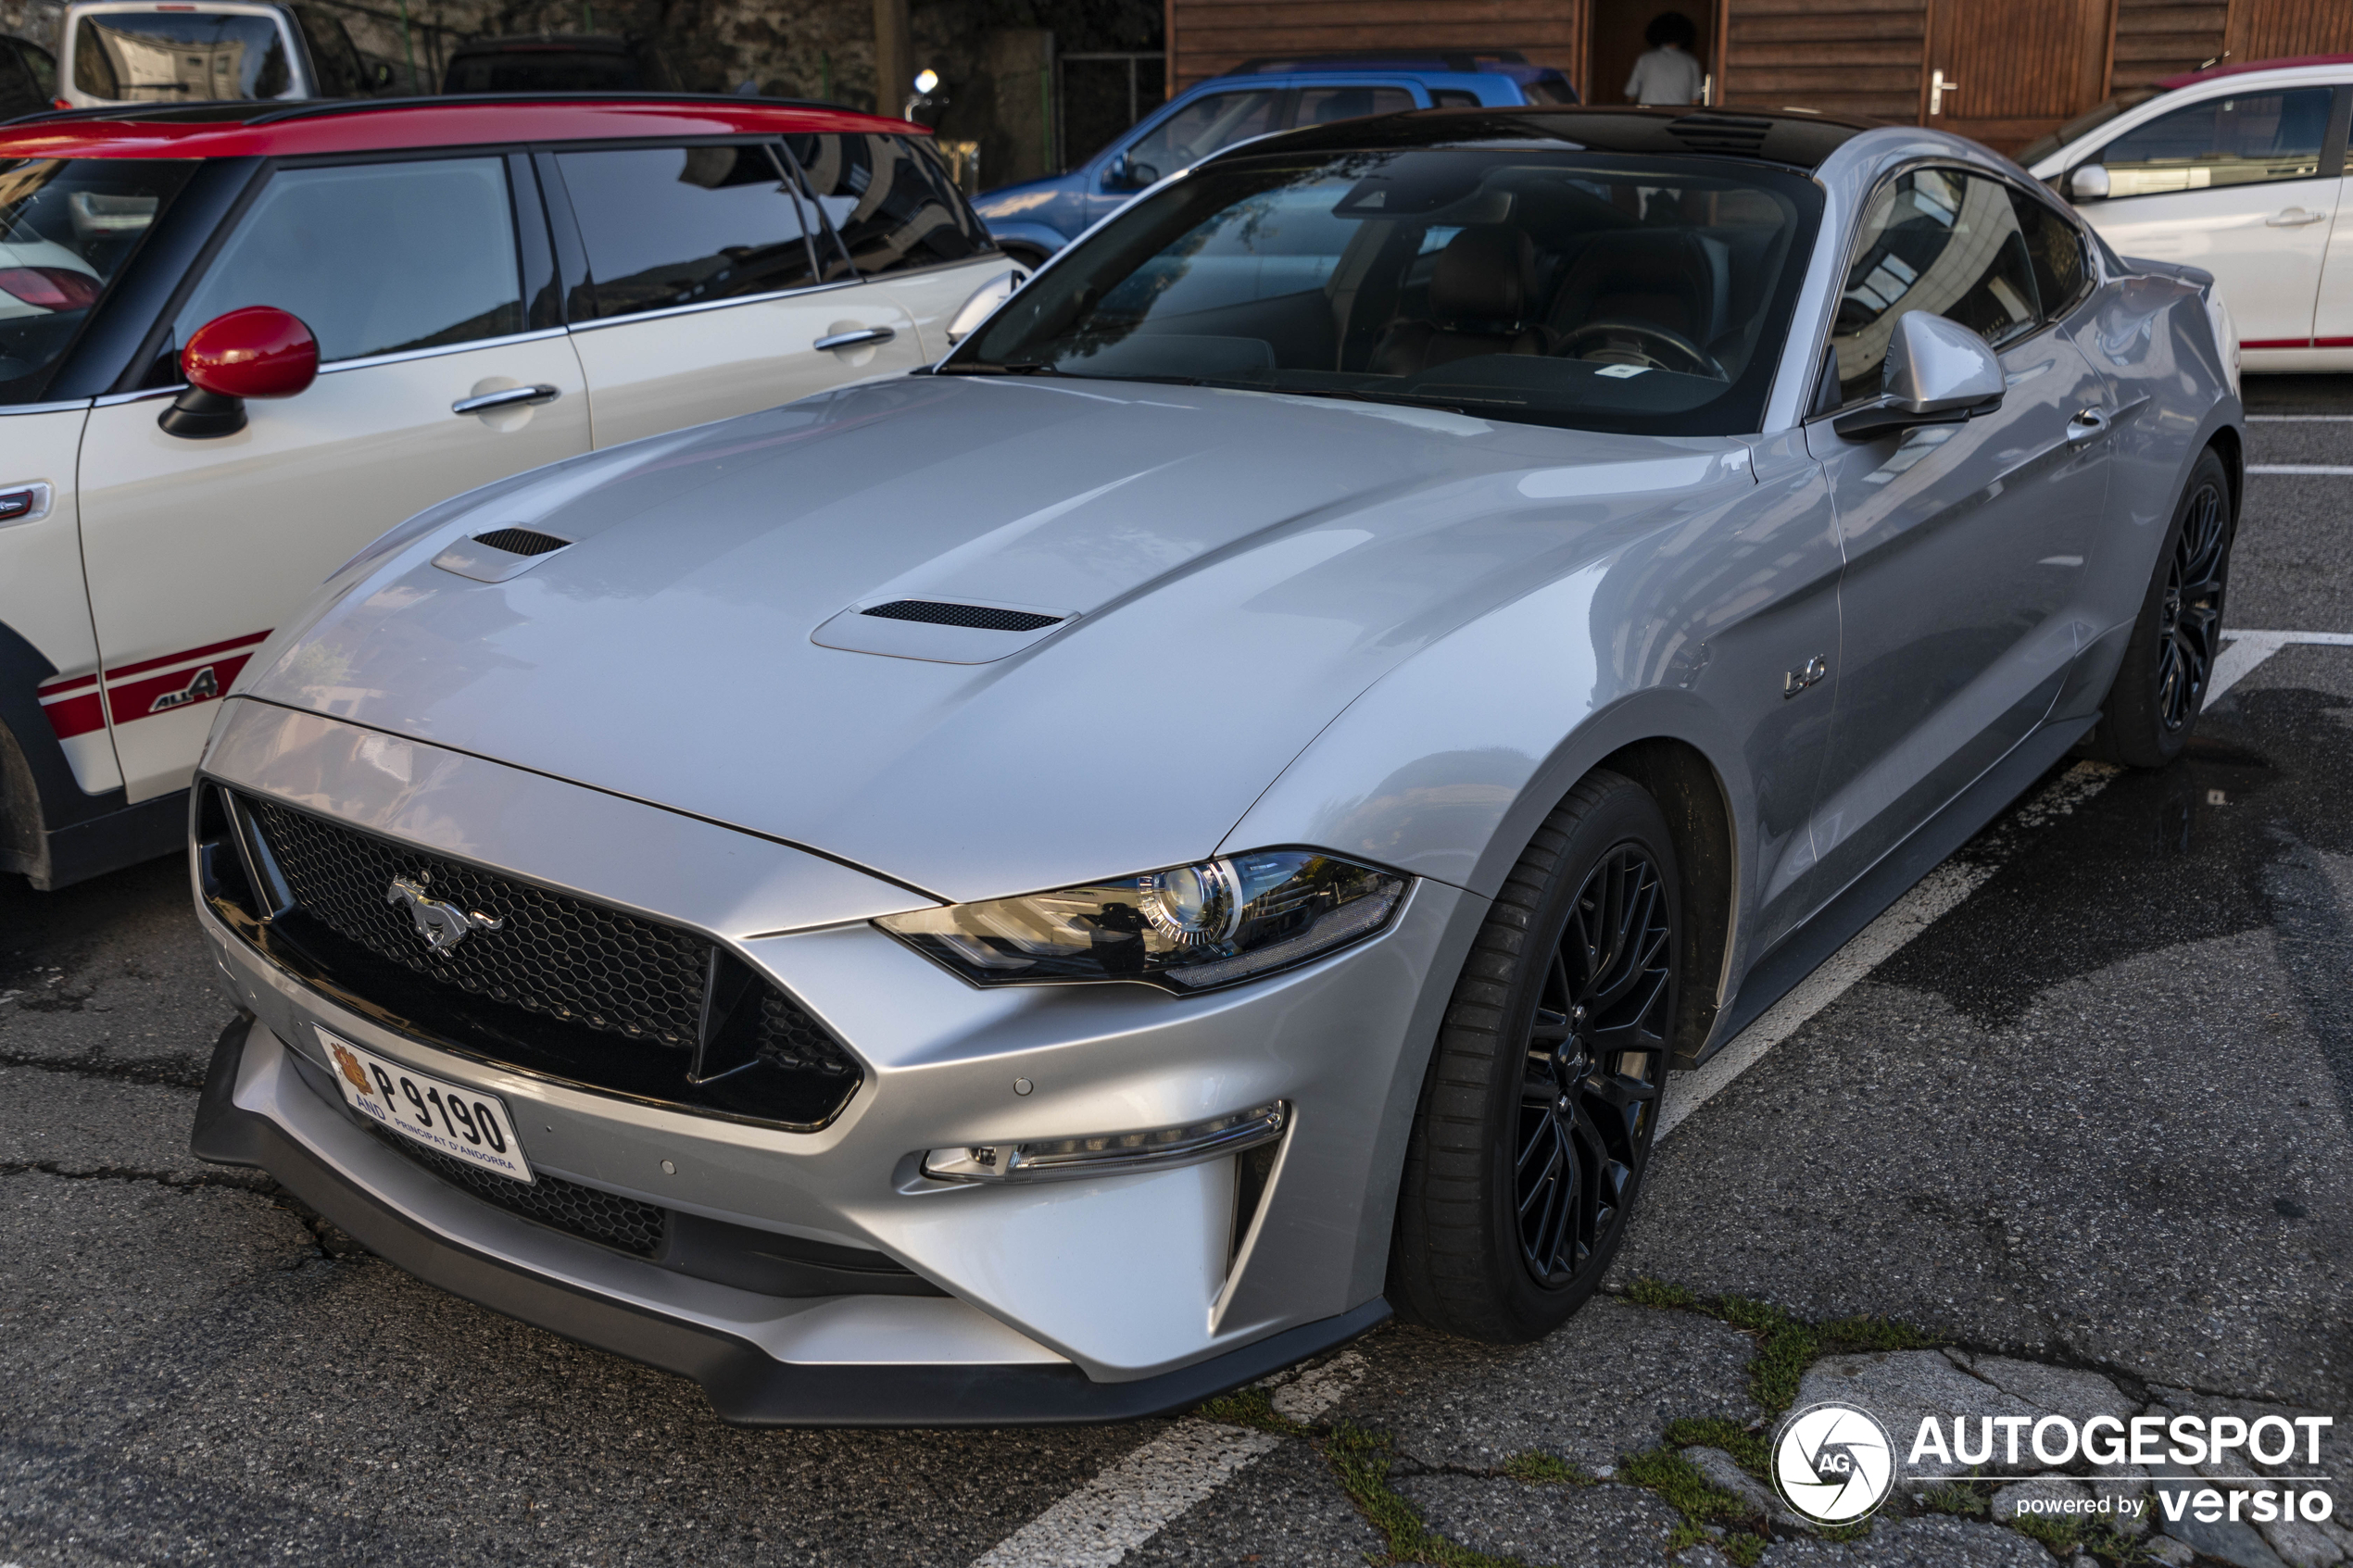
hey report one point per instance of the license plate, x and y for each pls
(447, 1118)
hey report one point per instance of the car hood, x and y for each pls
(1234, 568)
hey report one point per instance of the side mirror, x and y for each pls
(982, 304)
(257, 352)
(1937, 372)
(2087, 182)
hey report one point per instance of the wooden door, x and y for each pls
(2006, 71)
(2270, 30)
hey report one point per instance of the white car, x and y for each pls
(478, 287)
(2240, 171)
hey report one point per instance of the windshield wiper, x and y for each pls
(977, 368)
(1400, 399)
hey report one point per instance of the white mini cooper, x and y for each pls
(431, 295)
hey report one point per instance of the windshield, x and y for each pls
(65, 228)
(180, 56)
(1553, 287)
(2089, 121)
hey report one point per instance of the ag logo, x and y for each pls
(1833, 1463)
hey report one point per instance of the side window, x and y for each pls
(156, 57)
(2243, 141)
(332, 54)
(1321, 106)
(1932, 239)
(377, 258)
(2055, 248)
(1198, 129)
(44, 67)
(889, 200)
(18, 92)
(669, 226)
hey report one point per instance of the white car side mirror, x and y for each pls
(1938, 373)
(984, 303)
(2087, 182)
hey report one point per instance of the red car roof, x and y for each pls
(444, 122)
(2170, 83)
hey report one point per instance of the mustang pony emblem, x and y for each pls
(442, 926)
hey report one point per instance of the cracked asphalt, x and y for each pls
(2097, 1120)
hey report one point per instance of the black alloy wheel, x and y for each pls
(2190, 625)
(2168, 665)
(1545, 1088)
(1595, 1061)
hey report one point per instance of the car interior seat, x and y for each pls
(1482, 295)
(1675, 278)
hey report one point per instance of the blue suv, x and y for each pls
(1033, 220)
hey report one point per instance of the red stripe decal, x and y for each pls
(75, 715)
(2275, 342)
(116, 672)
(49, 691)
(180, 688)
(2333, 343)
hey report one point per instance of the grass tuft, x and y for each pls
(1957, 1497)
(1251, 1407)
(1747, 1447)
(1679, 1481)
(1360, 1461)
(1658, 1293)
(1743, 1549)
(1848, 1335)
(1541, 1469)
(2062, 1535)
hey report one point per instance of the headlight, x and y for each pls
(1189, 928)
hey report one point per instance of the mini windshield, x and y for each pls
(181, 57)
(1557, 287)
(66, 226)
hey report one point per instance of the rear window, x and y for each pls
(669, 226)
(180, 56)
(67, 227)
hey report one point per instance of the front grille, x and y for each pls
(547, 983)
(619, 1222)
(553, 954)
(938, 613)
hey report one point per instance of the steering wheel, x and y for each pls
(1692, 359)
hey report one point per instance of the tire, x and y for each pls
(2152, 709)
(1481, 1248)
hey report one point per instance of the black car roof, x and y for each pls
(1798, 141)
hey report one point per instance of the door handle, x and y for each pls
(853, 340)
(509, 398)
(2087, 423)
(1939, 84)
(2293, 218)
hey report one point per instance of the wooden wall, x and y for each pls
(1840, 56)
(1869, 58)
(1208, 36)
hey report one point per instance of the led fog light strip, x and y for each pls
(1111, 1154)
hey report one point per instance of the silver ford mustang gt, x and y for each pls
(1046, 888)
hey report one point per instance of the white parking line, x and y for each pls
(1131, 1501)
(1931, 898)
(2243, 650)
(2300, 467)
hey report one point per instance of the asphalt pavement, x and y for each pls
(2095, 1121)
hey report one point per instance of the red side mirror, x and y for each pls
(257, 352)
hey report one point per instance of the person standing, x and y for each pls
(1667, 72)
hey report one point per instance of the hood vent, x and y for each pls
(499, 553)
(521, 541)
(982, 618)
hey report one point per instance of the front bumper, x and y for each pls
(1090, 1299)
(253, 1113)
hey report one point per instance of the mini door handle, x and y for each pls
(852, 340)
(2293, 218)
(510, 397)
(2086, 424)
